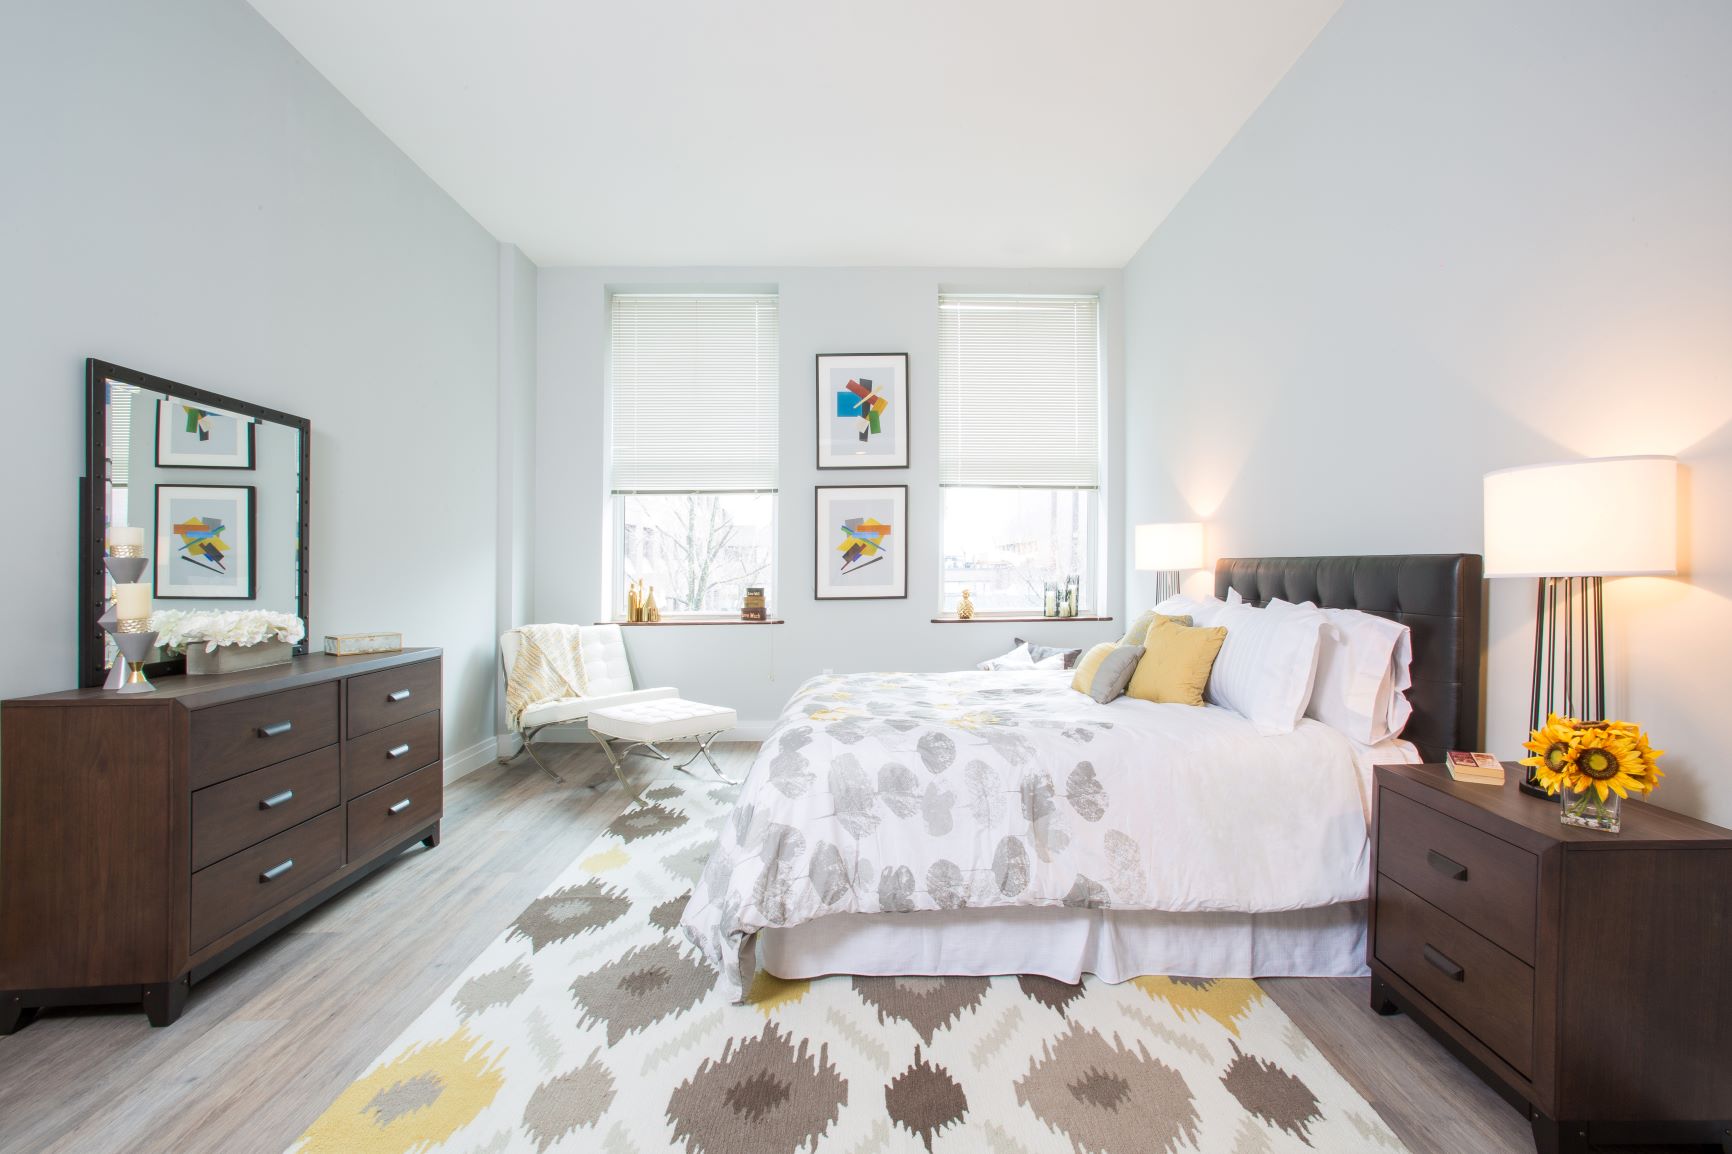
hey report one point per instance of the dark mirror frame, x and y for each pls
(93, 506)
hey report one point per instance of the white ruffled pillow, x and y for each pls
(1362, 670)
(1021, 658)
(1267, 664)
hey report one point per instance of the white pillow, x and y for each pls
(1362, 667)
(1201, 610)
(1021, 658)
(1267, 663)
(1234, 597)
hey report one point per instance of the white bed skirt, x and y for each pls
(1114, 945)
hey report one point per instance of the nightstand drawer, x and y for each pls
(1487, 884)
(1486, 990)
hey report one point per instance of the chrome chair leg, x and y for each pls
(613, 759)
(527, 737)
(704, 752)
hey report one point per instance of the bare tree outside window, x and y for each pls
(698, 550)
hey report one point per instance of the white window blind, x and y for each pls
(120, 433)
(1019, 391)
(693, 382)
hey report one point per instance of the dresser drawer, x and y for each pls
(1485, 989)
(246, 810)
(392, 695)
(1487, 884)
(393, 812)
(228, 740)
(237, 889)
(392, 752)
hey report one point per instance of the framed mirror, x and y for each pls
(212, 489)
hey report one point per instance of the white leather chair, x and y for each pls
(609, 681)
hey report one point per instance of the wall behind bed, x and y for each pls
(754, 668)
(1455, 238)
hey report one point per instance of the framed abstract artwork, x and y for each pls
(863, 410)
(862, 542)
(191, 436)
(205, 542)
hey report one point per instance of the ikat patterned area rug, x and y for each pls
(590, 1026)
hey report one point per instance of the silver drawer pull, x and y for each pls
(399, 807)
(276, 799)
(277, 871)
(400, 695)
(1448, 867)
(397, 751)
(1443, 964)
(276, 730)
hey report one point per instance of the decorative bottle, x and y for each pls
(651, 611)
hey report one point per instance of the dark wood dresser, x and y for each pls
(1583, 974)
(146, 840)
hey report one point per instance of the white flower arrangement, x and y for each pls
(179, 628)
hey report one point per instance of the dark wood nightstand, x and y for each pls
(1584, 975)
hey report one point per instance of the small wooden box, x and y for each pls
(349, 644)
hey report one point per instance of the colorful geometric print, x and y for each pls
(202, 544)
(856, 399)
(197, 421)
(590, 1027)
(862, 542)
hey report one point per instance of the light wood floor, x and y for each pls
(267, 1043)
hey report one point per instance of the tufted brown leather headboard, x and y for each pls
(1439, 596)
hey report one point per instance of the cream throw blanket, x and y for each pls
(549, 667)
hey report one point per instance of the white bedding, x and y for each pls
(898, 792)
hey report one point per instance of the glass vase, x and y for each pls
(1589, 811)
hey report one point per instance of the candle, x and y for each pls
(132, 602)
(126, 535)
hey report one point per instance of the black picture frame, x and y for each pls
(904, 425)
(93, 508)
(159, 556)
(822, 542)
(251, 428)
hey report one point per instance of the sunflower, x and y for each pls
(1553, 748)
(1608, 761)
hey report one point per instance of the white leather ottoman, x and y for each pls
(645, 723)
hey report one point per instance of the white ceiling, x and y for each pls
(809, 132)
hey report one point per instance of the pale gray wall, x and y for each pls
(513, 584)
(1458, 237)
(754, 669)
(185, 195)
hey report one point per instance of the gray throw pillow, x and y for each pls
(1115, 673)
(1042, 652)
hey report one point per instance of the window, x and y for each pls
(692, 385)
(1019, 447)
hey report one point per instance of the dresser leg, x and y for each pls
(14, 1014)
(432, 839)
(1381, 1003)
(1560, 1137)
(164, 1001)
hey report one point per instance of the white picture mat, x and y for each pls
(883, 579)
(839, 446)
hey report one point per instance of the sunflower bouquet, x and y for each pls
(1594, 765)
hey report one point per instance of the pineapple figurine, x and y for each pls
(965, 607)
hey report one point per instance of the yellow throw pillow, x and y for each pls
(1088, 664)
(1176, 663)
(1140, 627)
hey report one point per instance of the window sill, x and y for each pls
(999, 618)
(693, 621)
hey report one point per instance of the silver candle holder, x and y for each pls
(133, 636)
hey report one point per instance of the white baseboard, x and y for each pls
(461, 764)
(577, 734)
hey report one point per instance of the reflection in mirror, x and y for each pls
(209, 490)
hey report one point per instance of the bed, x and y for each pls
(992, 823)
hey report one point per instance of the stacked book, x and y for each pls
(1477, 768)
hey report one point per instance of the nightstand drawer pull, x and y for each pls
(397, 751)
(276, 799)
(277, 871)
(399, 695)
(399, 807)
(276, 730)
(1443, 965)
(1445, 866)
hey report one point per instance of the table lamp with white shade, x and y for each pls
(1168, 550)
(1571, 525)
